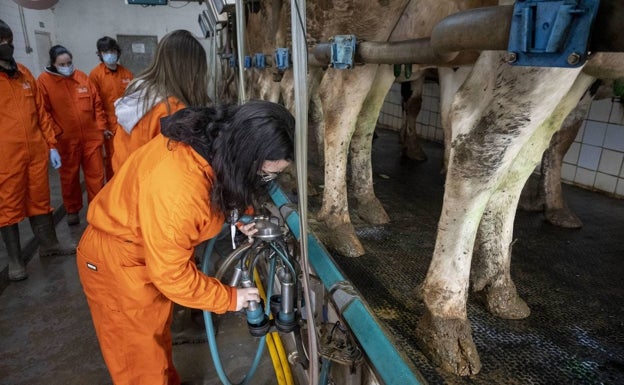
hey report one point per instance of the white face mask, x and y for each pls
(109, 58)
(66, 71)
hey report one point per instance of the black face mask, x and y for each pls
(6, 52)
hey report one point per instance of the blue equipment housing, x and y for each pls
(342, 51)
(546, 33)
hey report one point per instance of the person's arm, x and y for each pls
(101, 120)
(47, 106)
(170, 211)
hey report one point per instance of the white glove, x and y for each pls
(244, 295)
(55, 158)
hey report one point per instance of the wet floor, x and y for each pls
(573, 280)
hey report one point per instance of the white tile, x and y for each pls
(585, 177)
(600, 110)
(589, 157)
(610, 162)
(439, 135)
(594, 132)
(614, 138)
(573, 153)
(619, 190)
(605, 182)
(617, 114)
(431, 135)
(568, 172)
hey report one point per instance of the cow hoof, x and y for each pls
(372, 212)
(343, 240)
(503, 302)
(448, 344)
(563, 218)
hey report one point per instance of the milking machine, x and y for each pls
(269, 261)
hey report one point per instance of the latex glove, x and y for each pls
(55, 158)
(108, 134)
(244, 295)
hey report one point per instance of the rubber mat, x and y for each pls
(573, 280)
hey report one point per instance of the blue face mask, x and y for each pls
(109, 58)
(66, 71)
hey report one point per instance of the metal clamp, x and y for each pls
(342, 51)
(282, 59)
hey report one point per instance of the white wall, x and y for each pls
(595, 160)
(36, 21)
(77, 24)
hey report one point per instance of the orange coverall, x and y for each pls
(136, 257)
(146, 128)
(25, 143)
(79, 123)
(111, 86)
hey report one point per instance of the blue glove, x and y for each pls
(55, 158)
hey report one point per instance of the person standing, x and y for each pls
(176, 78)
(111, 80)
(26, 142)
(79, 123)
(136, 257)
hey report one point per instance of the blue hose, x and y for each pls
(210, 332)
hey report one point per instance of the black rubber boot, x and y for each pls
(45, 233)
(17, 268)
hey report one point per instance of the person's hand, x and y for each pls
(55, 158)
(244, 295)
(249, 229)
(108, 134)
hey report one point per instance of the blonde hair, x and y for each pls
(179, 69)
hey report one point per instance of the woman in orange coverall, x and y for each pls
(79, 123)
(136, 255)
(26, 142)
(177, 78)
(110, 79)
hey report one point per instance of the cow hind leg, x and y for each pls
(367, 205)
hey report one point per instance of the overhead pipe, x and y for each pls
(477, 29)
(240, 50)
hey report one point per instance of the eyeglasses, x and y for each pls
(266, 176)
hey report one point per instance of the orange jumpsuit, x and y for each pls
(136, 257)
(79, 122)
(111, 86)
(147, 127)
(25, 143)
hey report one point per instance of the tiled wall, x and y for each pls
(595, 160)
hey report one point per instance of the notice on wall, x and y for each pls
(138, 48)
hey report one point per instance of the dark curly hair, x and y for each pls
(235, 140)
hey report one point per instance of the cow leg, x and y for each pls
(412, 103)
(342, 94)
(494, 114)
(367, 205)
(555, 208)
(491, 275)
(450, 79)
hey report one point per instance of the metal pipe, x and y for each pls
(240, 50)
(300, 72)
(477, 29)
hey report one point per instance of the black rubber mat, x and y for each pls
(573, 280)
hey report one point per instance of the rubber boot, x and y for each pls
(17, 268)
(45, 233)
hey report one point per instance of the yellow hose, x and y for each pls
(275, 346)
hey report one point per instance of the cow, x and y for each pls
(502, 119)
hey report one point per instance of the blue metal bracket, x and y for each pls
(233, 61)
(342, 51)
(551, 33)
(282, 59)
(260, 61)
(247, 61)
